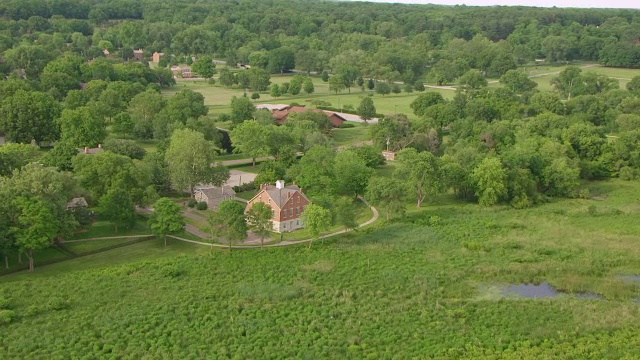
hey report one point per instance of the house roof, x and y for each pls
(281, 196)
(217, 192)
(77, 202)
(272, 107)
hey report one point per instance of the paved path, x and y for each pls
(255, 245)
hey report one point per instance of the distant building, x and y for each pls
(213, 196)
(287, 204)
(138, 55)
(389, 155)
(90, 151)
(77, 203)
(181, 72)
(155, 58)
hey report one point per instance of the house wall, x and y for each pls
(288, 218)
(199, 196)
(335, 120)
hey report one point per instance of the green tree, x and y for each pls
(383, 88)
(325, 76)
(124, 147)
(420, 171)
(371, 84)
(249, 138)
(190, 158)
(336, 83)
(517, 81)
(472, 79)
(30, 58)
(28, 116)
(490, 179)
(419, 86)
(14, 156)
(634, 85)
(345, 213)
(307, 86)
(204, 67)
(317, 220)
(81, 127)
(295, 86)
(255, 96)
(389, 194)
(314, 173)
(227, 78)
(116, 205)
(242, 109)
(60, 156)
(351, 173)
(259, 219)
(229, 222)
(567, 81)
(275, 91)
(424, 101)
(366, 109)
(166, 218)
(37, 226)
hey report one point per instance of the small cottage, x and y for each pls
(286, 202)
(213, 196)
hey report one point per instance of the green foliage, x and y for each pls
(167, 218)
(204, 67)
(259, 220)
(366, 109)
(116, 205)
(490, 178)
(192, 203)
(421, 172)
(201, 205)
(242, 109)
(316, 219)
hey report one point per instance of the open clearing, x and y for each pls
(423, 280)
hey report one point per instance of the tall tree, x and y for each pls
(490, 178)
(230, 221)
(28, 116)
(420, 171)
(37, 226)
(351, 173)
(366, 109)
(249, 138)
(81, 127)
(242, 109)
(345, 213)
(317, 220)
(116, 205)
(204, 67)
(259, 219)
(388, 193)
(190, 158)
(336, 83)
(166, 218)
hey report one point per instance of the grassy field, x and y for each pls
(430, 285)
(106, 228)
(218, 98)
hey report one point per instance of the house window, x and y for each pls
(297, 211)
(284, 225)
(290, 212)
(298, 222)
(273, 213)
(298, 199)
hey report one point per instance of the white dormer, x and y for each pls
(280, 184)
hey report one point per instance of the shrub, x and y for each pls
(4, 303)
(346, 126)
(6, 316)
(192, 203)
(57, 304)
(201, 205)
(628, 173)
(211, 81)
(245, 187)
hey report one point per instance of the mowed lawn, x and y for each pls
(218, 98)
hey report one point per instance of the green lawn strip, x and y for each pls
(81, 247)
(348, 136)
(105, 228)
(40, 257)
(247, 168)
(247, 195)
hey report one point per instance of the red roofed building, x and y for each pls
(280, 116)
(287, 204)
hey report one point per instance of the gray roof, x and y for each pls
(217, 192)
(280, 196)
(77, 202)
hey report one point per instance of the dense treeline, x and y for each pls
(385, 41)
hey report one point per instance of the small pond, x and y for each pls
(544, 290)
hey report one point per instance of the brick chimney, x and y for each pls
(280, 184)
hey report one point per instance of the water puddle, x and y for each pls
(630, 278)
(545, 291)
(532, 291)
